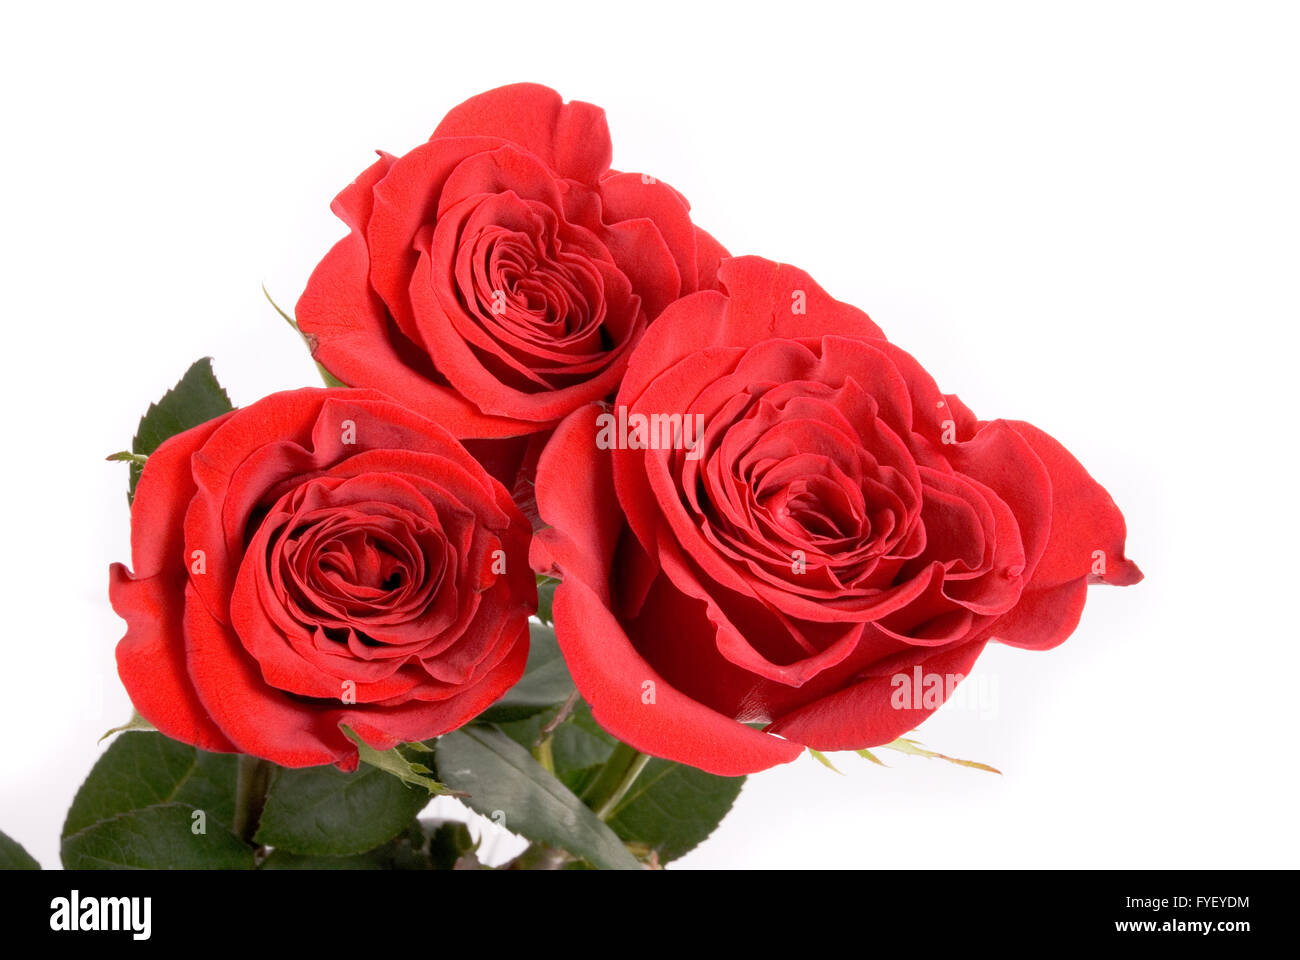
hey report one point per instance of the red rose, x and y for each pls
(320, 558)
(823, 521)
(497, 276)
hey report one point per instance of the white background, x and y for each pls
(1083, 215)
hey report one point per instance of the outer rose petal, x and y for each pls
(709, 255)
(863, 715)
(166, 484)
(1043, 618)
(572, 138)
(576, 500)
(585, 522)
(613, 676)
(347, 326)
(628, 196)
(405, 200)
(258, 718)
(269, 723)
(760, 303)
(1084, 520)
(151, 656)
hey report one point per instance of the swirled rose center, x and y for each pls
(790, 485)
(360, 568)
(546, 298)
(544, 306)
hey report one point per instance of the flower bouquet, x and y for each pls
(590, 521)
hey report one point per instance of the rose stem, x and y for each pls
(616, 778)
(252, 780)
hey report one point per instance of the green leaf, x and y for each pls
(546, 598)
(448, 842)
(578, 746)
(672, 808)
(321, 811)
(14, 857)
(914, 748)
(395, 762)
(159, 837)
(545, 683)
(506, 784)
(144, 769)
(196, 398)
(868, 755)
(408, 851)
